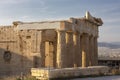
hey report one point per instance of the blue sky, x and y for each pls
(37, 10)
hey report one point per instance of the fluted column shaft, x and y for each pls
(77, 52)
(61, 48)
(85, 50)
(70, 49)
(96, 51)
(41, 48)
(91, 51)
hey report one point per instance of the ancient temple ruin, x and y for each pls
(56, 44)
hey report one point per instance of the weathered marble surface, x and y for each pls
(48, 73)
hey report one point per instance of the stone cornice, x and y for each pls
(92, 19)
(88, 24)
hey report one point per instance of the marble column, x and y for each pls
(85, 50)
(49, 53)
(61, 48)
(91, 51)
(77, 52)
(96, 51)
(41, 48)
(70, 49)
(55, 53)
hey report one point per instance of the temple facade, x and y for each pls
(56, 44)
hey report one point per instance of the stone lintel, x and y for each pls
(39, 25)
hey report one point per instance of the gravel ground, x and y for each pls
(101, 78)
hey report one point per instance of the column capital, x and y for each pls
(77, 33)
(85, 34)
(60, 30)
(69, 32)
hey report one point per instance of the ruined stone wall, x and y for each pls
(10, 56)
(15, 51)
(39, 46)
(20, 50)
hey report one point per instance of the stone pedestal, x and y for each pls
(55, 74)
